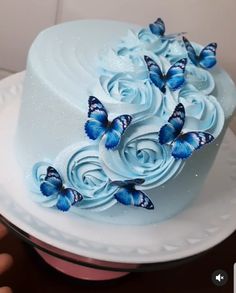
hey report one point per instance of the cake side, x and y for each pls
(55, 104)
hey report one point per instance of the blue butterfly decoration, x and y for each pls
(52, 185)
(128, 195)
(207, 56)
(174, 78)
(183, 144)
(158, 28)
(98, 124)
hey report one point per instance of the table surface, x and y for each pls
(31, 274)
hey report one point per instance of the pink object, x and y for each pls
(81, 271)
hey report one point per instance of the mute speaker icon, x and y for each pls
(219, 278)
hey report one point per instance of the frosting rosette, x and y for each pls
(137, 97)
(81, 168)
(175, 51)
(200, 78)
(128, 56)
(39, 172)
(142, 39)
(141, 156)
(111, 62)
(125, 60)
(203, 113)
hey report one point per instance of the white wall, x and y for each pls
(205, 21)
(20, 22)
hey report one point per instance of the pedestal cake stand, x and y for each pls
(92, 250)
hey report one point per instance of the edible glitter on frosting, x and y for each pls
(141, 156)
(136, 96)
(123, 78)
(81, 167)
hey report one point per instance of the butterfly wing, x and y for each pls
(191, 51)
(136, 181)
(158, 27)
(173, 128)
(67, 198)
(95, 127)
(131, 182)
(155, 73)
(116, 130)
(52, 183)
(134, 197)
(186, 144)
(207, 57)
(175, 75)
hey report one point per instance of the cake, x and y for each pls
(118, 123)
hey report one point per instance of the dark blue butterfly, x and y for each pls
(158, 28)
(174, 78)
(98, 124)
(183, 144)
(128, 195)
(207, 56)
(52, 185)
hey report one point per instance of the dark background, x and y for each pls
(30, 274)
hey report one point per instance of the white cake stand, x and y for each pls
(206, 222)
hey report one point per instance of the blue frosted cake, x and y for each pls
(120, 123)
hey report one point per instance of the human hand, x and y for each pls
(5, 260)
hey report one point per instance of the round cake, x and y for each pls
(119, 123)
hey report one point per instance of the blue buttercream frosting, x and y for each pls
(39, 172)
(200, 78)
(137, 96)
(203, 113)
(142, 40)
(141, 156)
(124, 83)
(81, 167)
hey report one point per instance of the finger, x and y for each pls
(5, 290)
(3, 231)
(6, 261)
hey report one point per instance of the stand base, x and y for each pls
(79, 271)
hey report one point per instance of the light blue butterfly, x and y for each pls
(128, 195)
(52, 185)
(183, 144)
(98, 124)
(158, 28)
(174, 78)
(207, 56)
